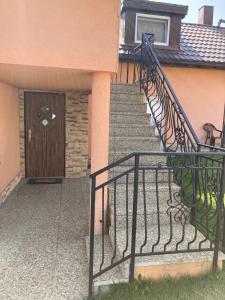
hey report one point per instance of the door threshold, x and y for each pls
(44, 180)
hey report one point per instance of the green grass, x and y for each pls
(207, 287)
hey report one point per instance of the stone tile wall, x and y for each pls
(9, 188)
(76, 134)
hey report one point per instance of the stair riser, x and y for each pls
(124, 107)
(131, 131)
(150, 177)
(151, 207)
(130, 88)
(151, 202)
(134, 145)
(130, 119)
(128, 99)
(144, 160)
(151, 220)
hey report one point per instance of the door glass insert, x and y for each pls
(39, 115)
(45, 115)
(45, 109)
(45, 122)
(52, 116)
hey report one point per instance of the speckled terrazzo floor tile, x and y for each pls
(72, 276)
(42, 246)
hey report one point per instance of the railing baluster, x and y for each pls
(170, 213)
(114, 222)
(127, 215)
(134, 218)
(92, 232)
(222, 183)
(158, 209)
(103, 228)
(200, 178)
(220, 203)
(145, 211)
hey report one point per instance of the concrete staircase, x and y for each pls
(130, 131)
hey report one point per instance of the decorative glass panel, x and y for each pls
(45, 115)
(39, 115)
(45, 109)
(45, 122)
(52, 116)
(157, 26)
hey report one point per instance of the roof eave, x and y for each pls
(155, 7)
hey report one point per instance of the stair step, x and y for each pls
(126, 88)
(134, 130)
(128, 107)
(134, 143)
(129, 118)
(153, 233)
(157, 200)
(149, 175)
(127, 98)
(147, 160)
(151, 219)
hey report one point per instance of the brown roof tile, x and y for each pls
(200, 44)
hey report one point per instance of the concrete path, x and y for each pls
(42, 245)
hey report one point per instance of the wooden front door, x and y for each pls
(44, 134)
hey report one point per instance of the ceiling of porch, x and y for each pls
(45, 78)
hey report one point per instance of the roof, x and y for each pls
(200, 45)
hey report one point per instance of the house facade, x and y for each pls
(192, 55)
(74, 102)
(50, 58)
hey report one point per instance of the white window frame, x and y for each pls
(154, 17)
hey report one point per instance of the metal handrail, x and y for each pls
(202, 170)
(174, 127)
(148, 38)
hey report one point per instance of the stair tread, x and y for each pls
(151, 187)
(114, 93)
(138, 125)
(158, 200)
(130, 113)
(118, 102)
(140, 138)
(114, 155)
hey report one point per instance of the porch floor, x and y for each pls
(42, 242)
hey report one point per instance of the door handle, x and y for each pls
(29, 135)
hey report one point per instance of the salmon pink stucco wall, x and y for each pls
(9, 135)
(201, 93)
(73, 34)
(100, 107)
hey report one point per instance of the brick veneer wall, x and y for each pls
(76, 121)
(76, 134)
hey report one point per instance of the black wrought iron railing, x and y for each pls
(129, 67)
(175, 130)
(172, 204)
(141, 65)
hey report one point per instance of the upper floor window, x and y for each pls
(158, 25)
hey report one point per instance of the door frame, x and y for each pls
(25, 125)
